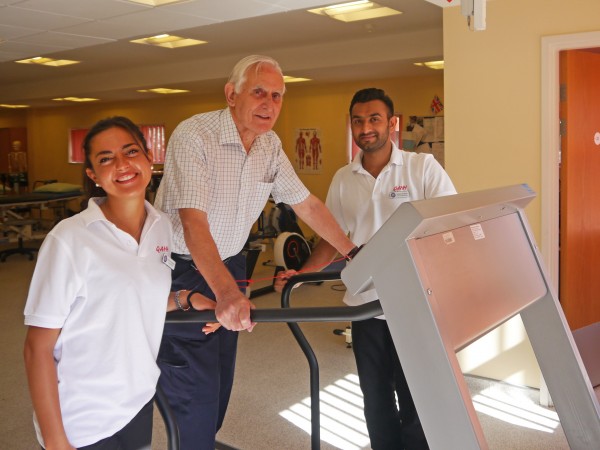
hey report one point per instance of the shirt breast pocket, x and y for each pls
(257, 199)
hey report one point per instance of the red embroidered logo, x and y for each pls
(162, 248)
(400, 188)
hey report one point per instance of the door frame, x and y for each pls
(550, 141)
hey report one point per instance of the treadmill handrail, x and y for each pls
(292, 316)
(312, 314)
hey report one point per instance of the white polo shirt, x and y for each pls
(207, 168)
(108, 295)
(361, 204)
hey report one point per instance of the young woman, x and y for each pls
(97, 304)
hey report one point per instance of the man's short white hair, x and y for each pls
(240, 70)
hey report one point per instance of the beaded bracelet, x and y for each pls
(178, 303)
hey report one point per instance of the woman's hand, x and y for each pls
(201, 303)
(282, 278)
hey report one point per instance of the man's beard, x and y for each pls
(374, 145)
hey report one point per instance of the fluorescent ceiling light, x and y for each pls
(75, 99)
(155, 2)
(168, 41)
(357, 10)
(2, 105)
(47, 61)
(436, 65)
(164, 90)
(290, 79)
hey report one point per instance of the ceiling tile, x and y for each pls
(102, 29)
(26, 50)
(53, 38)
(37, 19)
(157, 20)
(12, 32)
(304, 45)
(225, 10)
(300, 4)
(89, 9)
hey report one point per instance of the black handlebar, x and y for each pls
(287, 314)
(314, 314)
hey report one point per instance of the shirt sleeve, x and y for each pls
(334, 201)
(54, 286)
(437, 182)
(287, 187)
(186, 182)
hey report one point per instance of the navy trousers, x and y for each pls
(197, 369)
(391, 425)
(136, 435)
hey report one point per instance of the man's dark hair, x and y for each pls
(370, 94)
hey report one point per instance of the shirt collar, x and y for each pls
(93, 213)
(229, 133)
(395, 159)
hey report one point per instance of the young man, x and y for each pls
(220, 169)
(362, 196)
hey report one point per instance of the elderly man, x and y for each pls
(220, 169)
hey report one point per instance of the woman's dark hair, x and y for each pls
(370, 94)
(124, 123)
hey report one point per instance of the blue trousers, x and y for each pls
(136, 435)
(196, 369)
(391, 426)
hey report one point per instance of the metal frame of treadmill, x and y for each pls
(450, 269)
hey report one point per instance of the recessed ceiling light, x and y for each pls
(47, 61)
(436, 65)
(155, 2)
(168, 41)
(2, 105)
(357, 10)
(164, 90)
(290, 79)
(75, 99)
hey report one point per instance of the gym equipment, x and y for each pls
(290, 249)
(292, 316)
(449, 270)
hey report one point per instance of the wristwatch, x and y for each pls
(352, 253)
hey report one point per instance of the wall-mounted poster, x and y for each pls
(308, 151)
(425, 134)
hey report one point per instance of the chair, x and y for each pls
(23, 229)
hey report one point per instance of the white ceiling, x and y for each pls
(97, 33)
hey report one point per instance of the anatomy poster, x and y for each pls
(308, 153)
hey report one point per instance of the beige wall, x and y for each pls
(492, 86)
(48, 128)
(324, 107)
(13, 118)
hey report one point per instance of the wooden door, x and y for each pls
(579, 283)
